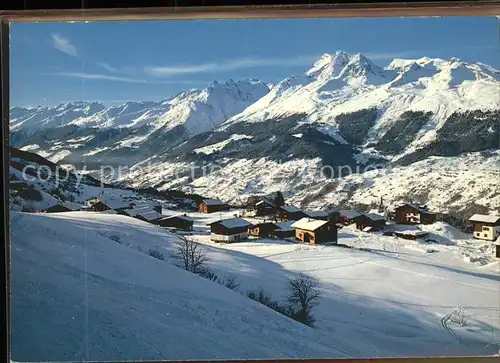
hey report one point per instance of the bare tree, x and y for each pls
(192, 254)
(303, 295)
(230, 282)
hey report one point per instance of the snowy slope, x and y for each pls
(344, 110)
(198, 110)
(390, 298)
(78, 295)
(446, 184)
(342, 83)
(34, 119)
(36, 184)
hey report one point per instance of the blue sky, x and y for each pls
(113, 62)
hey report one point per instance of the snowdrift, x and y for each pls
(79, 295)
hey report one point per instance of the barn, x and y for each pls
(284, 230)
(265, 207)
(229, 230)
(182, 222)
(486, 227)
(349, 216)
(212, 205)
(290, 212)
(317, 214)
(263, 229)
(414, 214)
(315, 231)
(64, 207)
(370, 222)
(411, 234)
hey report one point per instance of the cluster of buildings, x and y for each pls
(148, 212)
(286, 221)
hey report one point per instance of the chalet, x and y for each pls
(182, 222)
(486, 227)
(146, 214)
(229, 230)
(284, 230)
(263, 229)
(290, 212)
(89, 202)
(414, 214)
(349, 216)
(318, 214)
(412, 234)
(370, 222)
(315, 231)
(64, 207)
(117, 205)
(265, 208)
(212, 205)
(99, 206)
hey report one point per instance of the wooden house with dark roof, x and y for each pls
(212, 205)
(349, 216)
(181, 222)
(290, 212)
(414, 214)
(262, 229)
(284, 230)
(265, 207)
(229, 230)
(370, 222)
(63, 207)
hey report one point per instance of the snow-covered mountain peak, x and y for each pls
(329, 65)
(341, 68)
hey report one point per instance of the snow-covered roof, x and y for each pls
(213, 202)
(180, 216)
(412, 233)
(144, 212)
(233, 222)
(316, 214)
(309, 224)
(71, 205)
(149, 215)
(375, 217)
(290, 208)
(117, 204)
(349, 213)
(420, 208)
(264, 201)
(285, 226)
(484, 218)
(109, 211)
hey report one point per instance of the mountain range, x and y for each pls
(415, 117)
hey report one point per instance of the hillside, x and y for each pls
(105, 298)
(108, 300)
(343, 112)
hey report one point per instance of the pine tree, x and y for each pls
(279, 200)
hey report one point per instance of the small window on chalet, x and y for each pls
(486, 228)
(485, 234)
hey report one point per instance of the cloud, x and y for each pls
(64, 45)
(106, 77)
(228, 65)
(107, 67)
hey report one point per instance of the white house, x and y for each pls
(486, 227)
